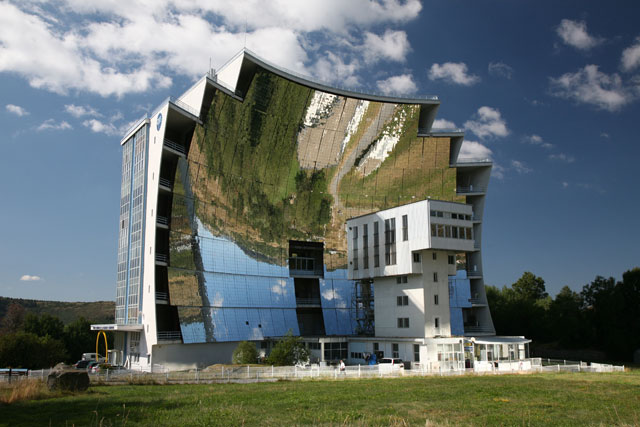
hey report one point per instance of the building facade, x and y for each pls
(234, 202)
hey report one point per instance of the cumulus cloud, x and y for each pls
(392, 45)
(497, 171)
(98, 126)
(591, 86)
(443, 124)
(487, 123)
(51, 124)
(562, 157)
(17, 110)
(574, 33)
(520, 167)
(81, 111)
(28, 278)
(398, 85)
(537, 140)
(500, 69)
(631, 56)
(453, 72)
(473, 150)
(104, 48)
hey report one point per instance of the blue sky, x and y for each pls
(549, 90)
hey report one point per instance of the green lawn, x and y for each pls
(541, 399)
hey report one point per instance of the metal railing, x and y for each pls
(169, 335)
(184, 106)
(474, 273)
(175, 146)
(472, 161)
(470, 189)
(476, 301)
(162, 220)
(165, 182)
(304, 266)
(477, 329)
(162, 258)
(423, 131)
(163, 296)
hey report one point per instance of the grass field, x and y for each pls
(541, 399)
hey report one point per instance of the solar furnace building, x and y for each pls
(233, 211)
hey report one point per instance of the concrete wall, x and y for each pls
(191, 356)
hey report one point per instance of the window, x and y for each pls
(435, 276)
(355, 248)
(467, 217)
(365, 246)
(454, 216)
(313, 345)
(403, 322)
(469, 233)
(390, 241)
(335, 350)
(403, 300)
(451, 259)
(454, 232)
(416, 257)
(434, 256)
(401, 279)
(405, 228)
(440, 230)
(395, 350)
(435, 299)
(436, 322)
(416, 352)
(376, 245)
(447, 231)
(433, 213)
(434, 230)
(440, 214)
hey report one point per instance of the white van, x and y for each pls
(92, 356)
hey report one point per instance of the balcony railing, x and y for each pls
(162, 258)
(470, 189)
(476, 301)
(164, 182)
(189, 109)
(474, 273)
(175, 146)
(423, 131)
(304, 266)
(308, 301)
(477, 329)
(162, 296)
(169, 335)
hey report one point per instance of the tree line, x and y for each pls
(35, 342)
(603, 316)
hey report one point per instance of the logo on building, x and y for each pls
(159, 120)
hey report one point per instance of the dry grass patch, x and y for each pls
(24, 389)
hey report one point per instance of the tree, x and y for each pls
(530, 287)
(78, 338)
(567, 320)
(12, 321)
(288, 351)
(27, 350)
(245, 353)
(44, 325)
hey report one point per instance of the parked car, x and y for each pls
(91, 364)
(390, 364)
(81, 364)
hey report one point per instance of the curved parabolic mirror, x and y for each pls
(287, 163)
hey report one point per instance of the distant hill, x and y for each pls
(95, 312)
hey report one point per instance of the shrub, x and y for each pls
(288, 351)
(245, 353)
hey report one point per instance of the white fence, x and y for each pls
(272, 373)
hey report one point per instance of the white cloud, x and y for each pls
(17, 110)
(500, 69)
(604, 135)
(331, 68)
(631, 56)
(80, 111)
(98, 126)
(443, 124)
(591, 86)
(537, 140)
(562, 157)
(488, 122)
(574, 33)
(453, 72)
(520, 167)
(393, 45)
(565, 184)
(497, 171)
(28, 278)
(50, 124)
(472, 150)
(111, 50)
(398, 85)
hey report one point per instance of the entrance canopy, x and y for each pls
(501, 340)
(116, 327)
